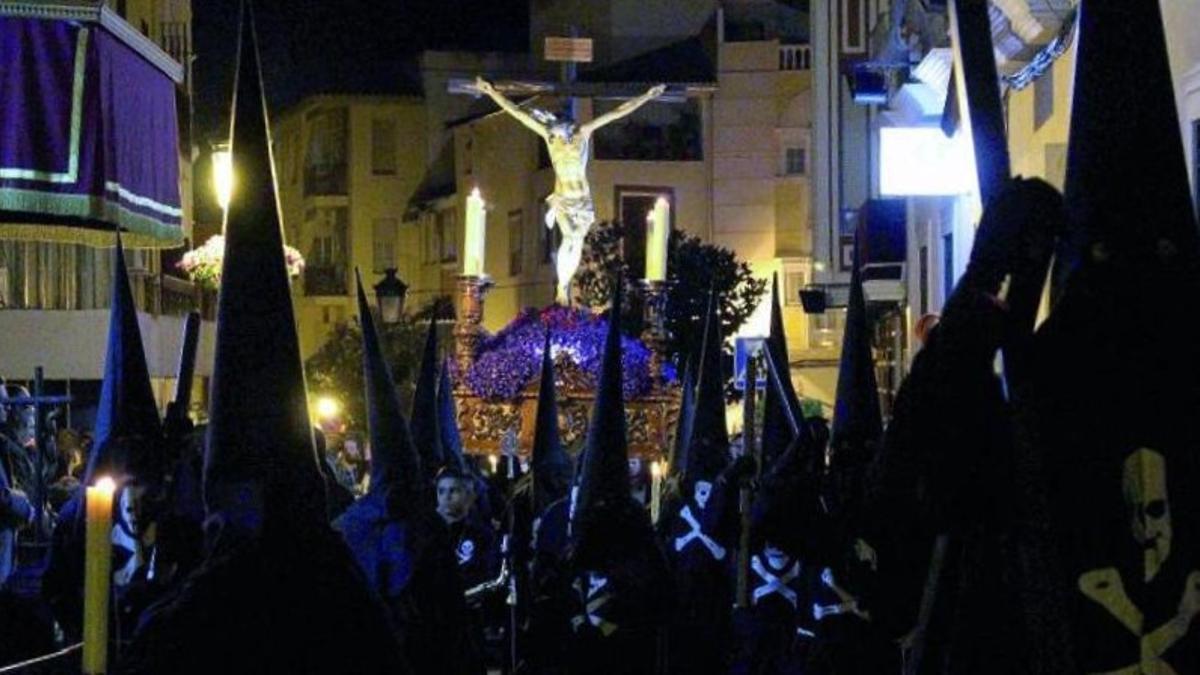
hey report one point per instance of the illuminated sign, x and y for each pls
(917, 161)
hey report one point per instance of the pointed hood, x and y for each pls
(687, 417)
(857, 419)
(260, 468)
(394, 459)
(1127, 189)
(426, 435)
(128, 429)
(551, 465)
(452, 447)
(604, 483)
(777, 431)
(708, 447)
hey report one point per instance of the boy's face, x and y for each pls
(455, 497)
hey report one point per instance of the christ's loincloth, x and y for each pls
(578, 214)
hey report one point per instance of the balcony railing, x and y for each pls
(177, 296)
(325, 280)
(795, 57)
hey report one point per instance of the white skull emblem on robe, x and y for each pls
(1144, 487)
(1144, 482)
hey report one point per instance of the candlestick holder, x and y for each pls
(655, 334)
(468, 331)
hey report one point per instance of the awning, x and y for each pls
(88, 137)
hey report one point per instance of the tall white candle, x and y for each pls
(97, 574)
(473, 247)
(658, 224)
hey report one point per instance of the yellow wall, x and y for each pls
(499, 156)
(369, 197)
(1028, 146)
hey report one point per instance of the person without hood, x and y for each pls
(278, 591)
(15, 510)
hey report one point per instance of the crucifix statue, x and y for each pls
(571, 206)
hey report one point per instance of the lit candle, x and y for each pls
(658, 224)
(494, 460)
(656, 475)
(97, 575)
(473, 247)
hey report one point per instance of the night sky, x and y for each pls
(341, 46)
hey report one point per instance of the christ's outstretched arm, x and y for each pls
(622, 110)
(510, 107)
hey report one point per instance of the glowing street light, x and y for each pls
(328, 408)
(222, 175)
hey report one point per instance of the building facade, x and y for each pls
(1035, 58)
(733, 156)
(346, 168)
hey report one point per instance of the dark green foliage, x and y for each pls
(337, 368)
(692, 268)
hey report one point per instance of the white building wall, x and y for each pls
(71, 344)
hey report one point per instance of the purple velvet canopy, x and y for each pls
(88, 138)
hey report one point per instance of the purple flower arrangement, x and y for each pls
(509, 360)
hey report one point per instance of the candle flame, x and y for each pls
(656, 469)
(475, 194)
(662, 203)
(106, 484)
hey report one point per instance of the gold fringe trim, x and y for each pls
(137, 230)
(63, 234)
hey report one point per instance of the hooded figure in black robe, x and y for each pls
(947, 465)
(399, 540)
(278, 591)
(128, 447)
(777, 433)
(939, 524)
(846, 634)
(775, 630)
(700, 527)
(426, 432)
(1117, 370)
(548, 596)
(622, 590)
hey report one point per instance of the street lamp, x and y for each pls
(222, 174)
(327, 408)
(389, 294)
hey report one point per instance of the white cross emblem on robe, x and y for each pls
(697, 534)
(774, 583)
(1104, 587)
(596, 598)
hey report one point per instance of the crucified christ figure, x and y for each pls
(571, 207)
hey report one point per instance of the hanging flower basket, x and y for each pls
(203, 264)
